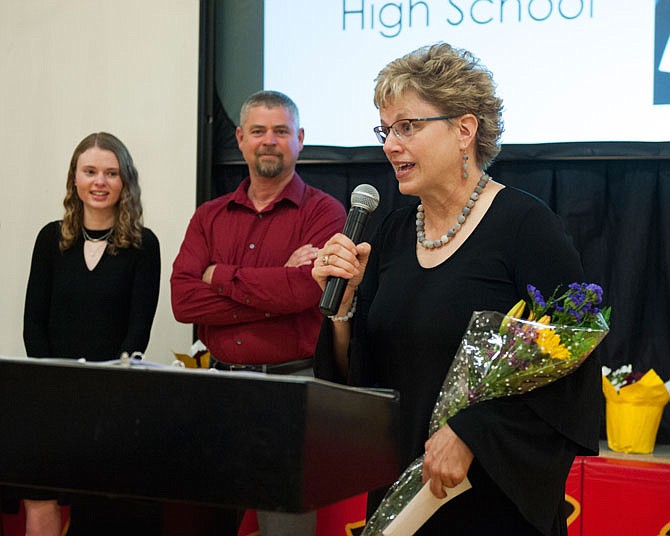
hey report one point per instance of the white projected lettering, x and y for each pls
(561, 66)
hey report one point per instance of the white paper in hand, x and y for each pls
(420, 508)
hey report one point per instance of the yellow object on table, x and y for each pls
(633, 414)
(199, 360)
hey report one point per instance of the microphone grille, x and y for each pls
(365, 196)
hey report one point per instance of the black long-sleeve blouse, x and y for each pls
(73, 312)
(409, 324)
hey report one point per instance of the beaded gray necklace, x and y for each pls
(465, 212)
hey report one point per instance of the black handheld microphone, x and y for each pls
(364, 199)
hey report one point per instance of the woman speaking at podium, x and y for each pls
(467, 244)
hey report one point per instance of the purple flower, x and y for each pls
(578, 305)
(536, 296)
(576, 314)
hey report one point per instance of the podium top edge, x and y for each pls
(153, 367)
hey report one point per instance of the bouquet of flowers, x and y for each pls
(501, 355)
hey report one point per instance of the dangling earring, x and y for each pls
(465, 166)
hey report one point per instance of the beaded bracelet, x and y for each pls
(349, 315)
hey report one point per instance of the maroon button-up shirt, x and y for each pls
(256, 310)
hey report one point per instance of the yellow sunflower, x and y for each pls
(550, 343)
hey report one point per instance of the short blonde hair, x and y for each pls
(455, 82)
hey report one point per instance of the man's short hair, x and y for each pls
(269, 99)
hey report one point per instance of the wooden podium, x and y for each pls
(245, 440)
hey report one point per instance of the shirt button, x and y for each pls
(247, 301)
(267, 315)
(260, 216)
(220, 290)
(238, 341)
(234, 316)
(252, 246)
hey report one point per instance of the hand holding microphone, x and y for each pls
(364, 199)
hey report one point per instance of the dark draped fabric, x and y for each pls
(614, 199)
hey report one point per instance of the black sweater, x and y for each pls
(74, 312)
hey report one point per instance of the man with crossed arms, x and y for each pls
(243, 273)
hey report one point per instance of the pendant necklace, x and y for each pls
(102, 238)
(94, 248)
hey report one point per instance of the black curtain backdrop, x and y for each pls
(614, 199)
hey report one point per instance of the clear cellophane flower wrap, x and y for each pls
(499, 355)
(633, 413)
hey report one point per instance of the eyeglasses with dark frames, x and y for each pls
(404, 128)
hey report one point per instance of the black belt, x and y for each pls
(287, 367)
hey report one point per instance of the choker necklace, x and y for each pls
(465, 212)
(102, 238)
